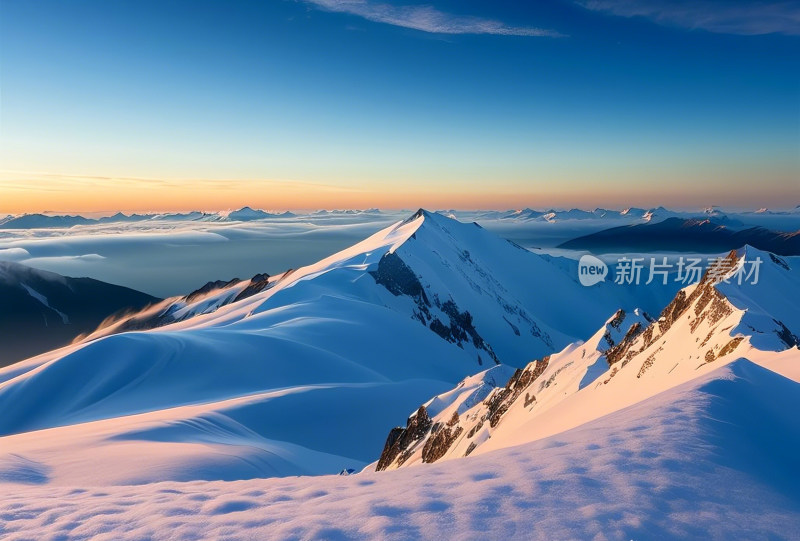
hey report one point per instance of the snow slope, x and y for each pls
(678, 426)
(318, 362)
(712, 458)
(520, 304)
(630, 359)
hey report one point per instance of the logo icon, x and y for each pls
(591, 270)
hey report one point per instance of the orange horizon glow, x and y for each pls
(42, 192)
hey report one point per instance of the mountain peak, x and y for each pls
(421, 213)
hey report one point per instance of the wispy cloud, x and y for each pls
(427, 19)
(720, 16)
(30, 181)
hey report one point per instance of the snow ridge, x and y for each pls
(629, 359)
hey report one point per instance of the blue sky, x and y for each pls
(319, 103)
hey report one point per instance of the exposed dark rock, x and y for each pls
(500, 400)
(461, 327)
(618, 351)
(474, 429)
(401, 439)
(710, 305)
(529, 399)
(618, 318)
(258, 283)
(779, 261)
(143, 321)
(441, 436)
(393, 274)
(674, 310)
(513, 327)
(438, 444)
(399, 279)
(730, 346)
(453, 420)
(608, 339)
(648, 362)
(439, 328)
(708, 337)
(786, 336)
(209, 287)
(612, 374)
(418, 214)
(515, 245)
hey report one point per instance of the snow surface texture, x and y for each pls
(710, 459)
(307, 376)
(629, 359)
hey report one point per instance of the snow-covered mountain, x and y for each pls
(42, 310)
(494, 294)
(205, 300)
(721, 447)
(35, 221)
(631, 358)
(46, 221)
(582, 218)
(628, 434)
(681, 235)
(246, 214)
(602, 218)
(306, 374)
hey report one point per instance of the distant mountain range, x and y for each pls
(631, 213)
(680, 235)
(788, 220)
(777, 220)
(43, 310)
(40, 221)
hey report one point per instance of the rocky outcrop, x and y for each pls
(435, 439)
(393, 274)
(786, 336)
(401, 439)
(180, 308)
(451, 323)
(728, 348)
(463, 424)
(618, 350)
(441, 439)
(705, 301)
(498, 402)
(258, 283)
(208, 288)
(701, 325)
